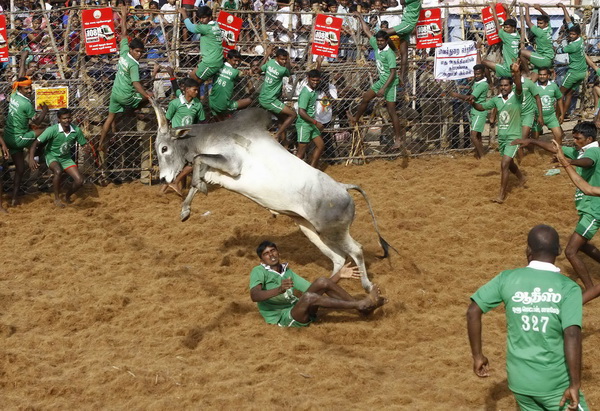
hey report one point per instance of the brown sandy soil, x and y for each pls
(112, 303)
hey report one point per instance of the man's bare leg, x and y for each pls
(19, 161)
(362, 107)
(106, 127)
(557, 133)
(318, 151)
(575, 244)
(477, 143)
(290, 117)
(399, 133)
(56, 176)
(77, 183)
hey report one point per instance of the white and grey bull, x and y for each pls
(240, 155)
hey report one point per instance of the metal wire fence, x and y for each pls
(48, 45)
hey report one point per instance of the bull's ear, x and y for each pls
(180, 132)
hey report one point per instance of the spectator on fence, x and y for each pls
(220, 98)
(254, 79)
(286, 25)
(59, 141)
(127, 92)
(543, 56)
(308, 128)
(410, 15)
(169, 6)
(230, 5)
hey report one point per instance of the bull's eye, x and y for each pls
(164, 149)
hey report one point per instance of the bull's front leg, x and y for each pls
(198, 184)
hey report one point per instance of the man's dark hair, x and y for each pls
(510, 22)
(382, 35)
(63, 111)
(574, 29)
(234, 54)
(505, 78)
(314, 74)
(479, 67)
(136, 44)
(543, 240)
(281, 52)
(587, 128)
(543, 18)
(204, 11)
(189, 82)
(333, 3)
(544, 69)
(261, 247)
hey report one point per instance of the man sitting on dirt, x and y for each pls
(272, 286)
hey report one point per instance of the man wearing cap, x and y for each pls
(18, 134)
(510, 45)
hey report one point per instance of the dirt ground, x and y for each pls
(113, 303)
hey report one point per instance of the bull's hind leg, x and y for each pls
(338, 259)
(348, 246)
(197, 185)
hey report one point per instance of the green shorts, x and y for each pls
(390, 93)
(119, 105)
(540, 61)
(228, 107)
(527, 120)
(587, 226)
(16, 144)
(503, 70)
(307, 132)
(405, 29)
(478, 121)
(573, 79)
(505, 148)
(546, 402)
(65, 162)
(550, 121)
(286, 320)
(274, 106)
(204, 71)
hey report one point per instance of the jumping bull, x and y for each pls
(240, 155)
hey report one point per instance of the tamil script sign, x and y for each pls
(454, 61)
(99, 31)
(54, 97)
(327, 36)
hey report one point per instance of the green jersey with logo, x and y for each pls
(211, 42)
(182, 113)
(128, 71)
(20, 112)
(308, 101)
(222, 89)
(480, 90)
(576, 51)
(411, 10)
(385, 59)
(510, 46)
(543, 41)
(529, 92)
(60, 143)
(539, 303)
(509, 114)
(549, 94)
(269, 279)
(584, 203)
(274, 74)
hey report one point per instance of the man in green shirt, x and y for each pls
(223, 86)
(543, 56)
(60, 140)
(511, 42)
(387, 84)
(275, 70)
(127, 92)
(531, 109)
(543, 315)
(552, 106)
(509, 104)
(18, 133)
(307, 127)
(273, 285)
(211, 43)
(4, 151)
(586, 157)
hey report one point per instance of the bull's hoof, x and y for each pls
(185, 214)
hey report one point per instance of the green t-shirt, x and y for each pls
(211, 42)
(548, 94)
(411, 10)
(128, 71)
(529, 92)
(60, 143)
(587, 204)
(222, 89)
(20, 112)
(181, 113)
(509, 114)
(543, 41)
(539, 304)
(510, 46)
(576, 51)
(271, 309)
(385, 59)
(480, 90)
(307, 99)
(274, 74)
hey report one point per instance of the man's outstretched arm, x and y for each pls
(474, 327)
(572, 336)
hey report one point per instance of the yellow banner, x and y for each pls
(54, 97)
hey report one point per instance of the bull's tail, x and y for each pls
(384, 244)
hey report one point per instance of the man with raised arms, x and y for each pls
(543, 56)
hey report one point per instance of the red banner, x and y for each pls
(99, 31)
(230, 27)
(3, 40)
(491, 31)
(327, 36)
(429, 29)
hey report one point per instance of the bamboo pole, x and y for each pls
(59, 60)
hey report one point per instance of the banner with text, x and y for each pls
(454, 61)
(3, 40)
(489, 26)
(54, 97)
(230, 27)
(99, 31)
(429, 28)
(327, 36)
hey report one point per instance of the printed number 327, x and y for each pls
(533, 323)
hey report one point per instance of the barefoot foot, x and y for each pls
(59, 203)
(498, 200)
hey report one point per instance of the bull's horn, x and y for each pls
(163, 126)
